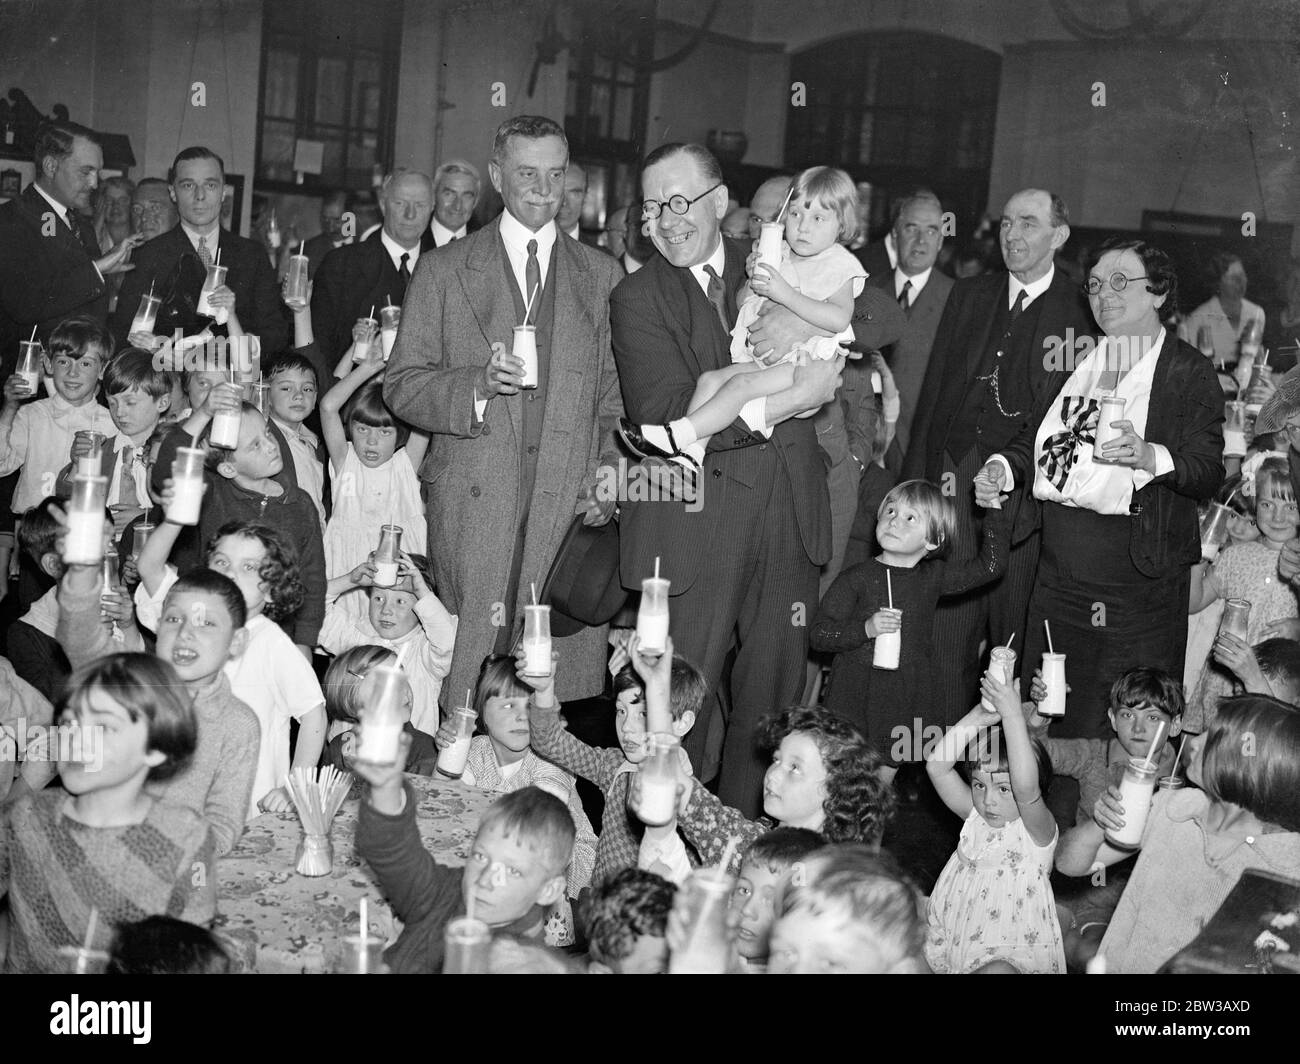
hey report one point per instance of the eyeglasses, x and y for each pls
(1292, 426)
(1118, 282)
(651, 209)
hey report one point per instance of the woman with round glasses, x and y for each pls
(1119, 524)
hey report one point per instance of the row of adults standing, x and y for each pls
(509, 467)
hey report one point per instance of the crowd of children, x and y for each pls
(216, 653)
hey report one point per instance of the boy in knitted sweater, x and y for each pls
(514, 874)
(202, 628)
(673, 693)
(75, 865)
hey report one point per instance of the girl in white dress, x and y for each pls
(993, 901)
(818, 280)
(373, 459)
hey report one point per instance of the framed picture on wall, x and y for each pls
(15, 175)
(232, 204)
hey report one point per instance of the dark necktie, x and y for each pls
(126, 493)
(717, 294)
(204, 252)
(532, 282)
(1018, 308)
(904, 297)
(85, 234)
(404, 269)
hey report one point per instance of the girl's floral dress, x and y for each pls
(994, 901)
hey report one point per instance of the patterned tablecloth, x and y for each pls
(274, 920)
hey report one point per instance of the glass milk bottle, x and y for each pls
(769, 245)
(84, 544)
(224, 431)
(295, 281)
(1054, 679)
(525, 349)
(1214, 530)
(387, 555)
(1260, 373)
(467, 943)
(1002, 664)
(215, 278)
(537, 641)
(1236, 618)
(89, 463)
(705, 942)
(361, 956)
(29, 365)
(146, 314)
(139, 537)
(451, 759)
(1234, 429)
(652, 614)
(187, 486)
(1135, 791)
(1112, 409)
(658, 775)
(366, 348)
(888, 646)
(390, 318)
(385, 698)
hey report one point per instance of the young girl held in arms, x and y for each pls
(818, 280)
(993, 901)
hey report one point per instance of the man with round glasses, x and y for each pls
(743, 556)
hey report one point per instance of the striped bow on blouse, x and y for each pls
(1061, 449)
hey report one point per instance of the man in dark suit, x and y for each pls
(174, 266)
(575, 195)
(745, 553)
(334, 232)
(371, 273)
(508, 466)
(988, 379)
(456, 187)
(922, 292)
(50, 263)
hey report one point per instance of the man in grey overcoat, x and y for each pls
(508, 466)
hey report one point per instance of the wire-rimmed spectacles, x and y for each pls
(651, 209)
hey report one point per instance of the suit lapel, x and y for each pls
(1159, 429)
(490, 301)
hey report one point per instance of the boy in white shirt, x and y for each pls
(36, 437)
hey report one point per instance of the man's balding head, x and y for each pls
(407, 202)
(766, 204)
(1035, 223)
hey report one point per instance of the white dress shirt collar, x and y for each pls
(891, 249)
(1032, 290)
(574, 231)
(718, 260)
(211, 235)
(630, 264)
(59, 208)
(396, 251)
(442, 235)
(918, 282)
(516, 235)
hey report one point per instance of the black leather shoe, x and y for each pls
(635, 442)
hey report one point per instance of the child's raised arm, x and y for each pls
(941, 762)
(656, 671)
(1205, 588)
(152, 563)
(1037, 818)
(336, 437)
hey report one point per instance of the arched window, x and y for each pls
(898, 110)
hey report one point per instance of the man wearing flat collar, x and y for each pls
(456, 186)
(509, 465)
(174, 266)
(569, 220)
